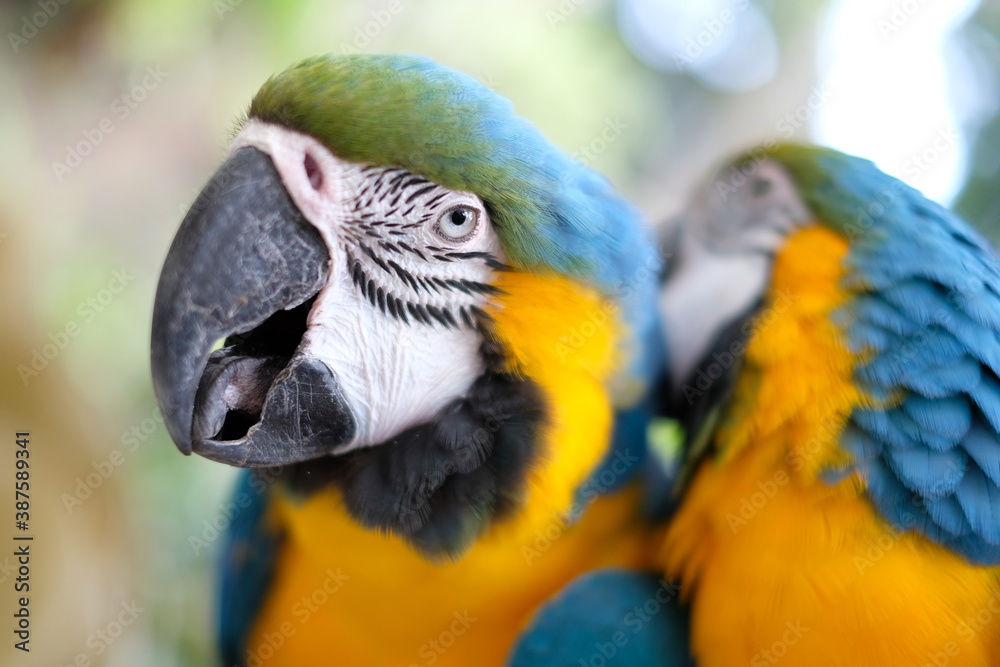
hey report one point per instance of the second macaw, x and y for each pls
(427, 319)
(834, 351)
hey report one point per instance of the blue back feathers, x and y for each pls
(926, 320)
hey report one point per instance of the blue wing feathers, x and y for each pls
(947, 513)
(865, 336)
(976, 549)
(246, 567)
(987, 398)
(981, 444)
(862, 446)
(930, 473)
(875, 311)
(916, 434)
(879, 425)
(980, 501)
(925, 316)
(922, 301)
(981, 343)
(921, 435)
(947, 417)
(959, 376)
(980, 306)
(889, 494)
(913, 364)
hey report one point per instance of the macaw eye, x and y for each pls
(761, 187)
(458, 223)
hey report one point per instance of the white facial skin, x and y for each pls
(722, 262)
(403, 242)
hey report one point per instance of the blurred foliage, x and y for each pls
(979, 201)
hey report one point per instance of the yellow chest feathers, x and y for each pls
(779, 564)
(346, 595)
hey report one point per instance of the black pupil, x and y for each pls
(459, 217)
(761, 187)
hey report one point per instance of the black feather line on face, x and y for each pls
(442, 484)
(385, 300)
(405, 296)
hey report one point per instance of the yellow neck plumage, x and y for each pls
(779, 562)
(565, 338)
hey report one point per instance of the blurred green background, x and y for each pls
(115, 112)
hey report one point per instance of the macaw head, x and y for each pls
(396, 287)
(861, 311)
(722, 253)
(728, 236)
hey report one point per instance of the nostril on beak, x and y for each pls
(313, 172)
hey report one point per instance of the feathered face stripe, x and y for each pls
(551, 213)
(396, 272)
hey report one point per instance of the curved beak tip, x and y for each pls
(243, 254)
(183, 444)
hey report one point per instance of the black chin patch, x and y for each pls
(441, 484)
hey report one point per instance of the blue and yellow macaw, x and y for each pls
(415, 321)
(834, 349)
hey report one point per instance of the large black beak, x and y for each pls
(244, 266)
